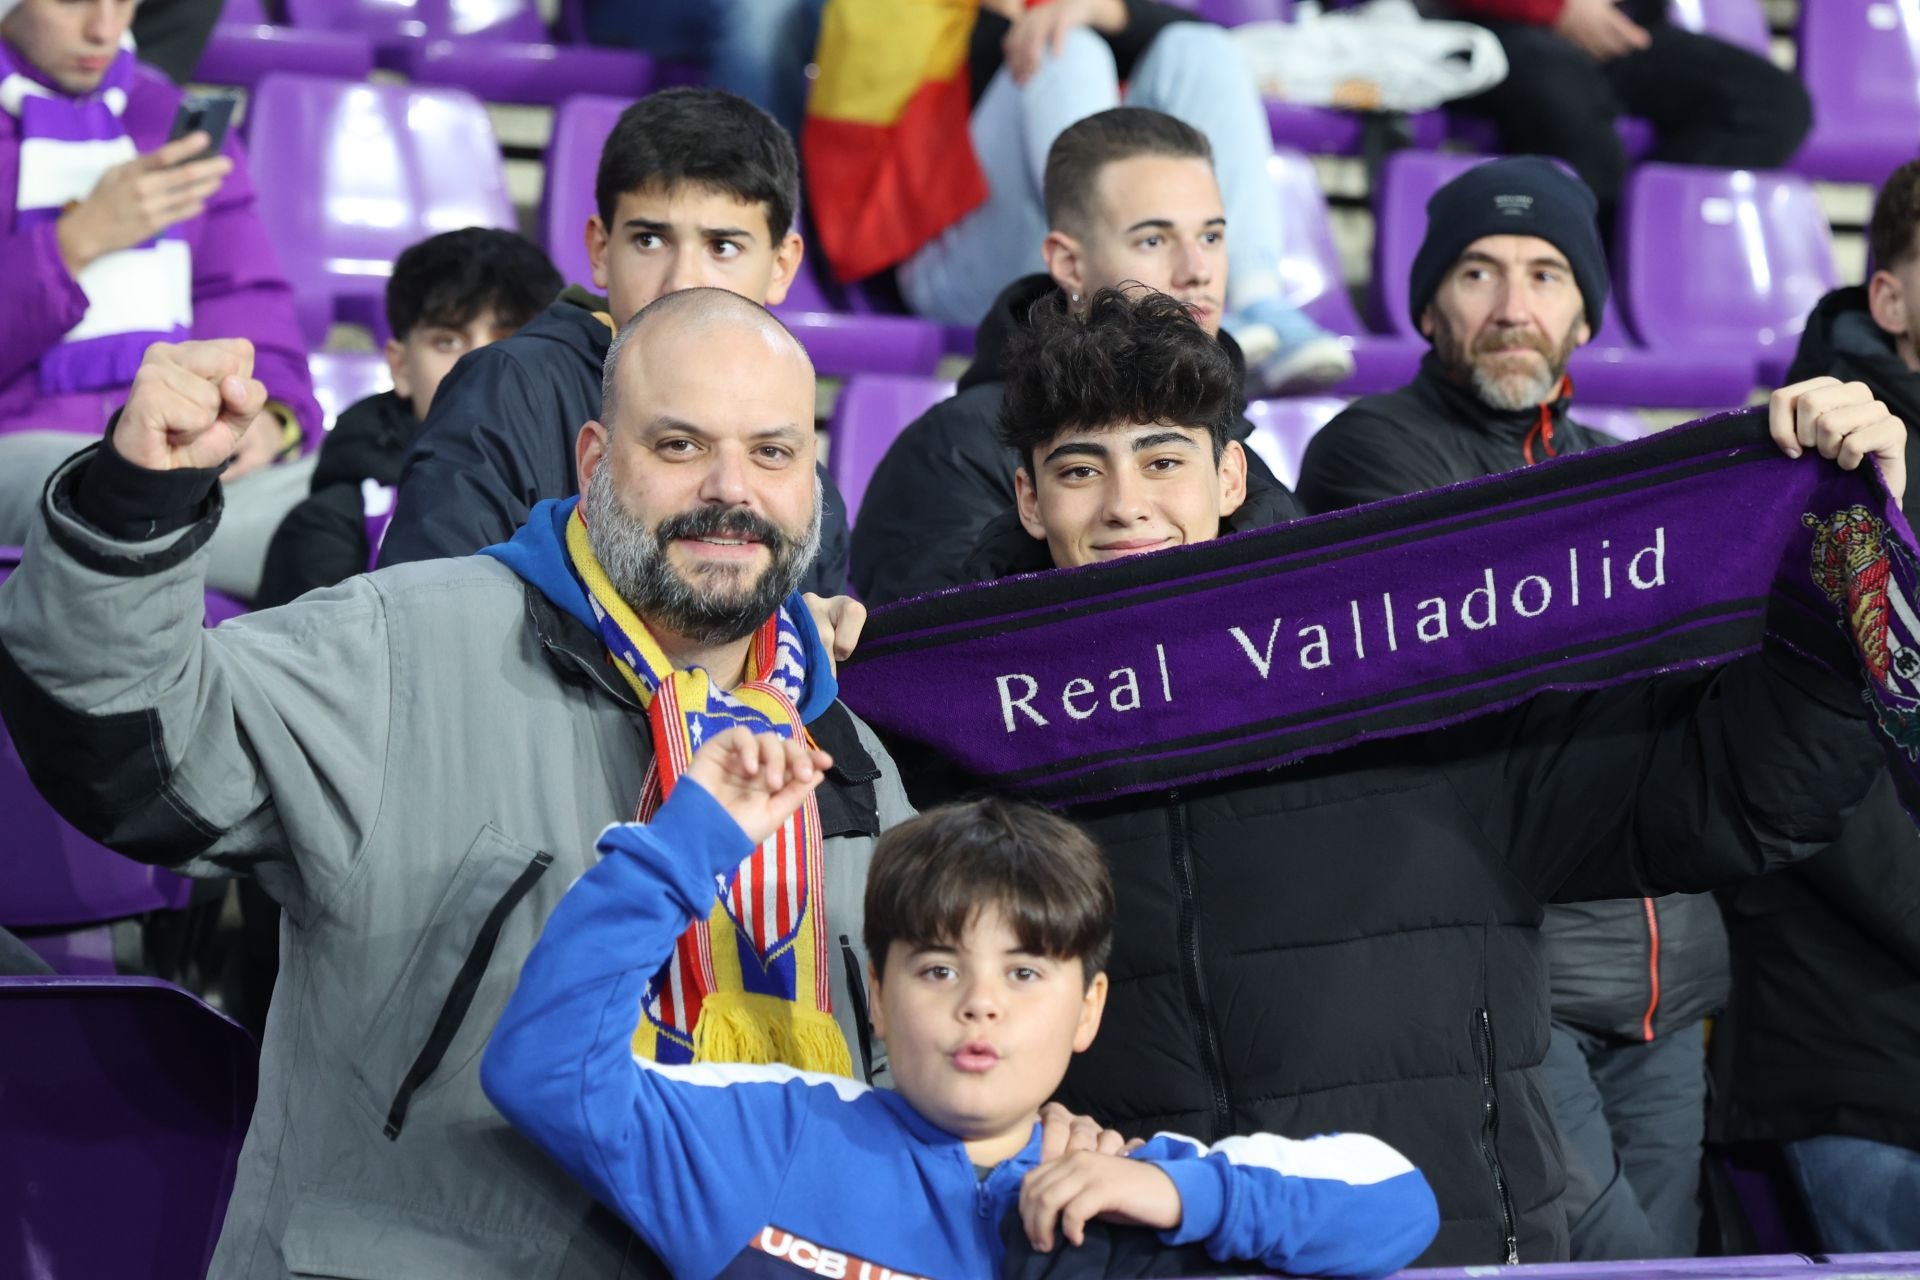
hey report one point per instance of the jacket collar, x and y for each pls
(1460, 405)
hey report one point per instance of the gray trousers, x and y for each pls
(256, 504)
(1632, 1116)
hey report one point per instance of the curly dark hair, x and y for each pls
(1896, 217)
(1134, 357)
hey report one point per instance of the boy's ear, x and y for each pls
(1066, 263)
(1028, 502)
(1887, 303)
(596, 234)
(1092, 1005)
(787, 257)
(1233, 478)
(876, 1009)
(396, 354)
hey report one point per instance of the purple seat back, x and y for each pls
(343, 378)
(1756, 249)
(1741, 22)
(873, 409)
(124, 1121)
(387, 20)
(243, 11)
(241, 53)
(580, 129)
(1310, 273)
(1407, 181)
(1282, 428)
(1860, 62)
(1232, 13)
(349, 175)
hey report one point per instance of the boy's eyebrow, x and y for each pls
(1089, 448)
(1154, 439)
(658, 227)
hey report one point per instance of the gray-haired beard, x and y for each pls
(1498, 387)
(720, 608)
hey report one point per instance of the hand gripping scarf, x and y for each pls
(751, 982)
(135, 297)
(1685, 550)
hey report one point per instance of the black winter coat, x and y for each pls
(947, 477)
(1353, 942)
(500, 436)
(1630, 969)
(323, 540)
(1822, 1030)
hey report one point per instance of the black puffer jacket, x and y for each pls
(947, 477)
(1841, 339)
(1630, 969)
(1822, 1032)
(500, 436)
(1353, 942)
(323, 540)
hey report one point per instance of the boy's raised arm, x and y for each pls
(691, 1157)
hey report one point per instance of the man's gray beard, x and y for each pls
(634, 558)
(1508, 393)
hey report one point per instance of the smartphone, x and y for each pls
(208, 113)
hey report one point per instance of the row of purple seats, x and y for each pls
(124, 1103)
(500, 49)
(62, 886)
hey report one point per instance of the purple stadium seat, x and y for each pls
(1755, 248)
(246, 46)
(123, 1126)
(498, 49)
(840, 340)
(1282, 428)
(1611, 369)
(1312, 280)
(342, 378)
(871, 411)
(348, 175)
(1741, 22)
(1860, 61)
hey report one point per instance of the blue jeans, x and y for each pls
(1864, 1195)
(1191, 71)
(758, 49)
(1631, 1116)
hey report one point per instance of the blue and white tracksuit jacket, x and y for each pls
(766, 1171)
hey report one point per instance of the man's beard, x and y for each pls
(1505, 382)
(718, 606)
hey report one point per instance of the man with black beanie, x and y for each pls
(1509, 280)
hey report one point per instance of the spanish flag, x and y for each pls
(888, 159)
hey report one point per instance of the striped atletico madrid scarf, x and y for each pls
(750, 983)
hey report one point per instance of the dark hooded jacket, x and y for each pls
(1353, 942)
(500, 437)
(1841, 339)
(323, 540)
(1629, 970)
(947, 477)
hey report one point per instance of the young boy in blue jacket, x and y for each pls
(988, 924)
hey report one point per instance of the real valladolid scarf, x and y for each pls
(1685, 550)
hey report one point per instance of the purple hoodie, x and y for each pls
(238, 289)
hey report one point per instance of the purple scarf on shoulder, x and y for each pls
(1685, 550)
(135, 296)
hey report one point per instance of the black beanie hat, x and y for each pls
(1520, 196)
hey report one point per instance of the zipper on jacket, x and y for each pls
(1490, 1132)
(1203, 1032)
(453, 1011)
(1653, 967)
(857, 997)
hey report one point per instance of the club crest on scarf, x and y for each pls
(1853, 565)
(750, 983)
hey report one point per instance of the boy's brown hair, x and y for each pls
(932, 875)
(1896, 215)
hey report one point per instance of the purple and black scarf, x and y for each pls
(1685, 550)
(135, 296)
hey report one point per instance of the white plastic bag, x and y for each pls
(1380, 56)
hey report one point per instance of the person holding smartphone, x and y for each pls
(119, 237)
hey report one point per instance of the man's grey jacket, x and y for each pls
(415, 764)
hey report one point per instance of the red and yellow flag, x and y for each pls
(888, 160)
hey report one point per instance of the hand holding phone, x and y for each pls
(208, 113)
(135, 201)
